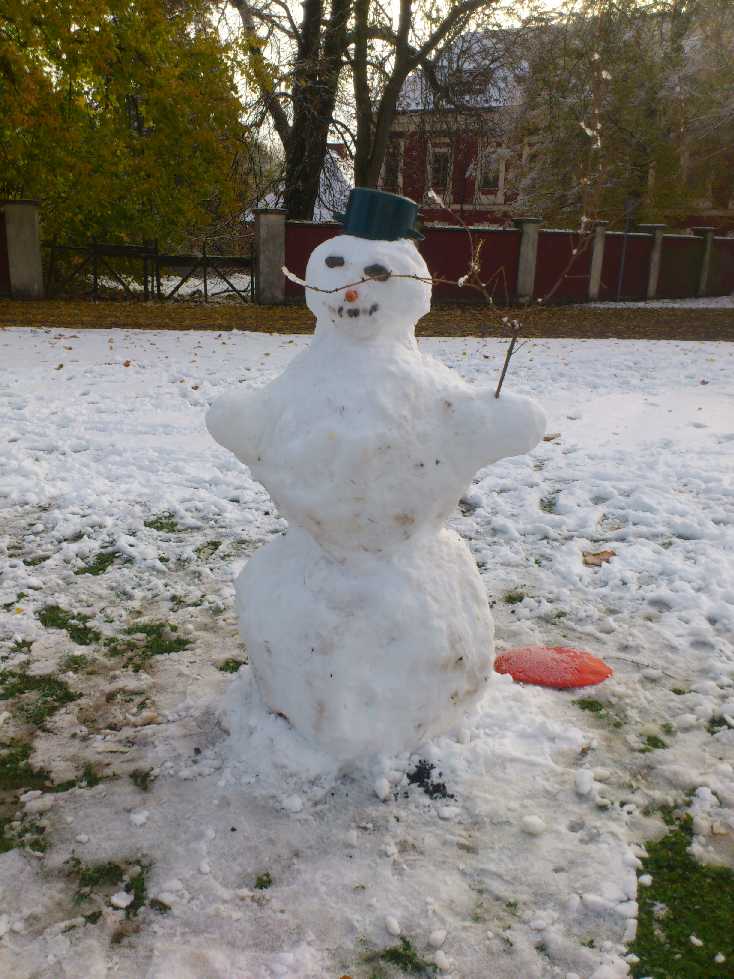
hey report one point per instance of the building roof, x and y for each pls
(477, 70)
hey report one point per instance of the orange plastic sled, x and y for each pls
(553, 666)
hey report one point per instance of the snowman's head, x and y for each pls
(397, 294)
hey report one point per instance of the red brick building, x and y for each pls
(459, 153)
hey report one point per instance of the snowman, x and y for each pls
(367, 624)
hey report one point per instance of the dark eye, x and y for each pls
(378, 272)
(334, 261)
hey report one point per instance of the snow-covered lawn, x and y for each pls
(173, 855)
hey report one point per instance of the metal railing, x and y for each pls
(92, 264)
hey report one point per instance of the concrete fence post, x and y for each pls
(656, 256)
(528, 257)
(708, 240)
(597, 258)
(23, 238)
(269, 255)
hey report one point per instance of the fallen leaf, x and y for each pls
(595, 560)
(59, 367)
(551, 436)
(126, 363)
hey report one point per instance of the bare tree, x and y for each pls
(299, 101)
(298, 66)
(378, 80)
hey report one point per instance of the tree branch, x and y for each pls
(272, 104)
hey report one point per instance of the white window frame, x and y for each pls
(444, 146)
(492, 196)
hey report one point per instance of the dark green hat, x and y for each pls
(380, 216)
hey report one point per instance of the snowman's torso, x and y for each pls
(367, 624)
(364, 447)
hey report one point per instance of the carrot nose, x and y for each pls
(351, 295)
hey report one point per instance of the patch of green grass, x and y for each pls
(263, 881)
(667, 728)
(100, 875)
(22, 646)
(589, 704)
(231, 665)
(7, 840)
(405, 957)
(717, 724)
(66, 786)
(178, 602)
(32, 836)
(16, 772)
(513, 597)
(549, 503)
(75, 663)
(679, 691)
(652, 743)
(160, 906)
(37, 697)
(686, 898)
(142, 778)
(29, 836)
(207, 549)
(137, 886)
(147, 639)
(33, 562)
(90, 778)
(87, 780)
(99, 563)
(74, 623)
(164, 522)
(603, 711)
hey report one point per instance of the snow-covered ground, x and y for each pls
(693, 302)
(261, 866)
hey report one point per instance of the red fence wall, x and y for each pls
(680, 266)
(560, 275)
(4, 265)
(721, 271)
(636, 265)
(559, 270)
(301, 237)
(448, 252)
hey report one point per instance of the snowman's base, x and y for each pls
(371, 653)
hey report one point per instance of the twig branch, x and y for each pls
(508, 356)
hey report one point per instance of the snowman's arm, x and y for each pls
(236, 421)
(510, 425)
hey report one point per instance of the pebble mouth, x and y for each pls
(354, 312)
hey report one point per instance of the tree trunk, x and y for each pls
(314, 97)
(362, 100)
